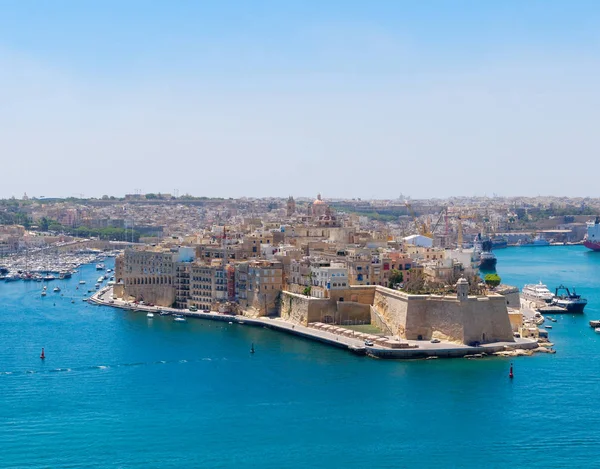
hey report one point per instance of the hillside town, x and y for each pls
(340, 260)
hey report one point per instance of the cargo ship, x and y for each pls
(592, 237)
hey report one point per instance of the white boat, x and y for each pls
(43, 292)
(82, 282)
(179, 319)
(548, 326)
(537, 292)
(597, 329)
(150, 315)
(45, 287)
(56, 289)
(100, 266)
(100, 279)
(97, 286)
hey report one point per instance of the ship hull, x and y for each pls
(591, 245)
(488, 264)
(571, 306)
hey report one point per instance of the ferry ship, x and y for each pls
(537, 292)
(592, 237)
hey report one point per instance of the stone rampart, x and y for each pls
(423, 317)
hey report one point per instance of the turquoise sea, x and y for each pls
(120, 390)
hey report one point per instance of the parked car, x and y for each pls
(369, 343)
(435, 341)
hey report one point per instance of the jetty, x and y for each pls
(333, 335)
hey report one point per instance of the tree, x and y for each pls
(416, 282)
(492, 280)
(44, 223)
(396, 278)
(306, 291)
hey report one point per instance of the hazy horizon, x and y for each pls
(349, 99)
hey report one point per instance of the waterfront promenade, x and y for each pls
(412, 349)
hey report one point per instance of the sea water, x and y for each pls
(118, 389)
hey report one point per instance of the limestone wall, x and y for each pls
(392, 307)
(349, 312)
(302, 309)
(160, 295)
(424, 317)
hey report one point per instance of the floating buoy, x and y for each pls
(42, 356)
(510, 374)
(252, 349)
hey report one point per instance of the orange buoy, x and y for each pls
(510, 374)
(42, 356)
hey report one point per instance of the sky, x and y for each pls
(274, 98)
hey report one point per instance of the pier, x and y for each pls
(336, 336)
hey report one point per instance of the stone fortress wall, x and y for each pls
(465, 320)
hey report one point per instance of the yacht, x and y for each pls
(571, 301)
(537, 292)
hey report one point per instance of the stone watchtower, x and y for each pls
(462, 289)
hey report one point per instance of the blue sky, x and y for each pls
(349, 98)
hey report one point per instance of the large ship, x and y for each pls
(487, 259)
(537, 292)
(572, 302)
(592, 237)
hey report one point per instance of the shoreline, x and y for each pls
(415, 349)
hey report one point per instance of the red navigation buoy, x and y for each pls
(510, 374)
(42, 356)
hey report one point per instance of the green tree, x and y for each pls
(492, 280)
(396, 278)
(306, 291)
(44, 224)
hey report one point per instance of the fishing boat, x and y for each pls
(571, 301)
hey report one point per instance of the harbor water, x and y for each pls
(118, 389)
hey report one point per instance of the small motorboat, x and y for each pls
(548, 326)
(56, 289)
(150, 315)
(164, 313)
(45, 287)
(82, 282)
(179, 319)
(597, 330)
(43, 292)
